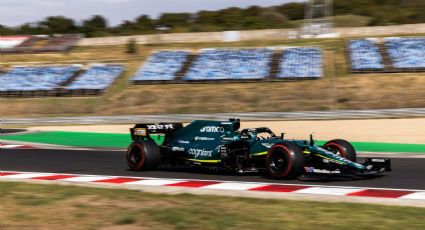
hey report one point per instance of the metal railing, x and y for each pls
(259, 116)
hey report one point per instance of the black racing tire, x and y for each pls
(285, 161)
(342, 148)
(143, 155)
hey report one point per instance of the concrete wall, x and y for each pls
(381, 30)
(271, 34)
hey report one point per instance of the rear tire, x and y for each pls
(143, 155)
(342, 148)
(285, 161)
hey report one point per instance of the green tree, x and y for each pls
(293, 11)
(4, 30)
(175, 19)
(59, 24)
(95, 26)
(145, 23)
(273, 18)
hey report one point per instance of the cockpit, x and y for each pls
(262, 133)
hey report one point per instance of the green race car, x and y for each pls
(221, 145)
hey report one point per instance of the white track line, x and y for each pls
(415, 196)
(233, 186)
(86, 178)
(26, 175)
(154, 182)
(329, 191)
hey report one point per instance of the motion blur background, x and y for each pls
(76, 75)
(148, 59)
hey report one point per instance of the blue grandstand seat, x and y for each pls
(32, 78)
(230, 64)
(302, 62)
(162, 66)
(365, 55)
(406, 53)
(98, 77)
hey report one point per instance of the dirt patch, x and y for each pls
(96, 201)
(124, 227)
(409, 131)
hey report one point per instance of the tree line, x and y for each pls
(379, 12)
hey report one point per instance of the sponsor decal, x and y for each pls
(183, 142)
(267, 145)
(212, 129)
(227, 138)
(166, 126)
(309, 169)
(200, 152)
(140, 132)
(177, 149)
(378, 160)
(204, 139)
(314, 170)
(223, 150)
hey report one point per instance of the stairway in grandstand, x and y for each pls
(386, 59)
(274, 63)
(182, 72)
(71, 79)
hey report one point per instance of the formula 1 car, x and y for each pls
(221, 145)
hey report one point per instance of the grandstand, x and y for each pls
(298, 63)
(35, 80)
(161, 66)
(30, 81)
(407, 53)
(97, 78)
(7, 42)
(210, 65)
(230, 64)
(38, 44)
(365, 56)
(387, 55)
(217, 65)
(60, 43)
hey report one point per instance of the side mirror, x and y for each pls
(311, 139)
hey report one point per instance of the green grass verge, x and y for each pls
(35, 206)
(79, 139)
(113, 140)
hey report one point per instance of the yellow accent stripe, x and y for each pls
(306, 152)
(330, 159)
(205, 161)
(260, 153)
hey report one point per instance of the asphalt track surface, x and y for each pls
(408, 173)
(10, 131)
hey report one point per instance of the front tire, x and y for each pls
(285, 161)
(143, 155)
(342, 148)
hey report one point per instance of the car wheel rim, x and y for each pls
(335, 149)
(277, 163)
(134, 156)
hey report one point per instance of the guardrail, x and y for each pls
(259, 116)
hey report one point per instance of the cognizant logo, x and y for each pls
(212, 129)
(200, 152)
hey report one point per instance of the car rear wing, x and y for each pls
(155, 132)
